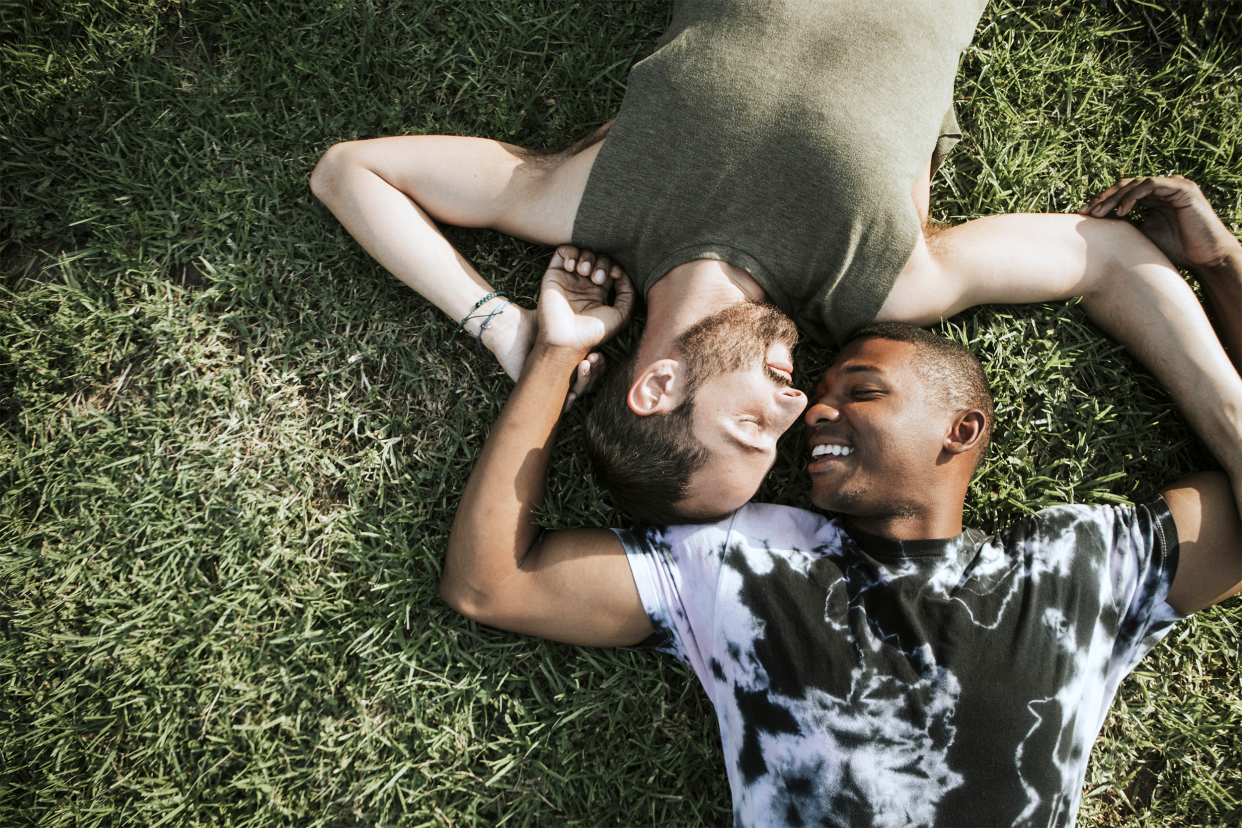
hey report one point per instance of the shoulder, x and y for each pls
(755, 524)
(1059, 525)
(773, 521)
(1061, 536)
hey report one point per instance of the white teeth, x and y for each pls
(820, 451)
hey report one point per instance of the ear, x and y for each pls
(965, 431)
(656, 390)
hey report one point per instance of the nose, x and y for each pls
(821, 412)
(791, 402)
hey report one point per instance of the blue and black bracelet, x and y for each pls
(486, 317)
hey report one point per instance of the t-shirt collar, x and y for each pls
(879, 547)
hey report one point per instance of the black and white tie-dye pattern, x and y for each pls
(865, 682)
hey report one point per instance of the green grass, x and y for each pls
(231, 445)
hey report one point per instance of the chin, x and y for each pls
(848, 502)
(861, 503)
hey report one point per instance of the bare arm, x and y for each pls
(572, 586)
(387, 192)
(1186, 229)
(1128, 287)
(1204, 506)
(1209, 533)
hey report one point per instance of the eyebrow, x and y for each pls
(862, 369)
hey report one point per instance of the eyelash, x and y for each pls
(779, 379)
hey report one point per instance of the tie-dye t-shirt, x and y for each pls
(860, 681)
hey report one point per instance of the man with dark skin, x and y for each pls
(888, 667)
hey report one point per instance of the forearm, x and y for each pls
(1153, 312)
(493, 532)
(397, 233)
(1128, 287)
(1222, 287)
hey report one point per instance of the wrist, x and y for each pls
(557, 357)
(1227, 269)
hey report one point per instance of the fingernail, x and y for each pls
(600, 276)
(569, 264)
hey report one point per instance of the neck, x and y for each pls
(686, 294)
(910, 527)
(936, 518)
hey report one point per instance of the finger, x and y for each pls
(616, 272)
(586, 261)
(1108, 197)
(579, 384)
(1089, 207)
(623, 301)
(1176, 190)
(1106, 201)
(1132, 195)
(566, 256)
(598, 364)
(600, 273)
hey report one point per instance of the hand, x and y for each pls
(572, 311)
(587, 372)
(1180, 221)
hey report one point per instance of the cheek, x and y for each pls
(914, 445)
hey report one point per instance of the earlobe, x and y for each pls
(966, 432)
(656, 390)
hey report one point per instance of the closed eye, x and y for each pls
(779, 378)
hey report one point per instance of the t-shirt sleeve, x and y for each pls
(1142, 564)
(950, 134)
(659, 586)
(675, 570)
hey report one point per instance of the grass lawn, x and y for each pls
(231, 445)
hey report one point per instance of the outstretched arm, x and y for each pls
(1183, 225)
(388, 193)
(572, 586)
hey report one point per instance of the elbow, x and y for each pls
(472, 604)
(460, 599)
(328, 173)
(463, 597)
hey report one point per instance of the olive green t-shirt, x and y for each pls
(784, 137)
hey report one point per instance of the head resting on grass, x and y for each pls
(901, 421)
(689, 440)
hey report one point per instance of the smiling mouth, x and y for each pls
(833, 450)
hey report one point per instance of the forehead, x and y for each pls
(887, 358)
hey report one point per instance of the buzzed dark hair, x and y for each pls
(950, 370)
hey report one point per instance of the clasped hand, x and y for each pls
(573, 311)
(574, 315)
